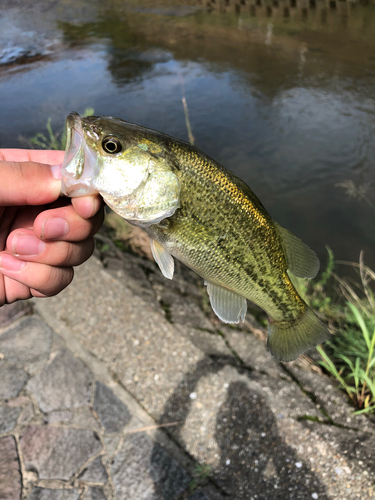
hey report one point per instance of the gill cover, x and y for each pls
(138, 186)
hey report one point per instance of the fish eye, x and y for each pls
(111, 145)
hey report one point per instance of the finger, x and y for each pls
(65, 224)
(26, 246)
(27, 183)
(7, 217)
(25, 216)
(87, 206)
(12, 290)
(47, 280)
(51, 157)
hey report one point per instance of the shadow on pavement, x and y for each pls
(255, 461)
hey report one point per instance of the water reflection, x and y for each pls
(281, 92)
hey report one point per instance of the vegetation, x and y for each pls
(51, 140)
(200, 474)
(348, 307)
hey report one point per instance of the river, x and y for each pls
(282, 93)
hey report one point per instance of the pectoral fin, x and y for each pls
(302, 261)
(163, 259)
(227, 305)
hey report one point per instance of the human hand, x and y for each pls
(42, 236)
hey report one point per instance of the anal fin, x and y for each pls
(227, 305)
(302, 261)
(163, 259)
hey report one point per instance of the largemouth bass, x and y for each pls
(203, 215)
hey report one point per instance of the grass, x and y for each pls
(51, 140)
(348, 307)
(200, 474)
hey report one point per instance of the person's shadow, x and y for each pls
(255, 462)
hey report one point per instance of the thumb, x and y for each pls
(27, 183)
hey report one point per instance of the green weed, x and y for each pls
(349, 354)
(51, 140)
(200, 474)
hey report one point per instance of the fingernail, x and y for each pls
(27, 244)
(10, 263)
(56, 171)
(54, 228)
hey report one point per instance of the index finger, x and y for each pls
(51, 157)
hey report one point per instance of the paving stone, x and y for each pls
(94, 494)
(254, 352)
(59, 416)
(95, 472)
(28, 342)
(12, 381)
(11, 312)
(111, 443)
(211, 344)
(85, 418)
(27, 414)
(329, 397)
(230, 420)
(184, 310)
(65, 383)
(49, 494)
(130, 269)
(57, 452)
(8, 418)
(147, 353)
(198, 495)
(113, 413)
(144, 470)
(10, 474)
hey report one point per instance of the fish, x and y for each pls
(200, 213)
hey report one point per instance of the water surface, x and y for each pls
(281, 93)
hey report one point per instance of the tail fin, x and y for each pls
(287, 340)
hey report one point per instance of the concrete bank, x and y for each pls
(122, 388)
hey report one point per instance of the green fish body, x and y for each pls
(203, 215)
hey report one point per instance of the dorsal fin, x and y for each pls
(227, 305)
(163, 259)
(302, 261)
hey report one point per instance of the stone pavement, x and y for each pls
(122, 388)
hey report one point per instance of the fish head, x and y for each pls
(125, 163)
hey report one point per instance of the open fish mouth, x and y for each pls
(80, 163)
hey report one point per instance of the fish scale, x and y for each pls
(233, 264)
(200, 213)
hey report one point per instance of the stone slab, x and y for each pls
(111, 443)
(212, 344)
(85, 418)
(12, 381)
(254, 352)
(12, 312)
(8, 418)
(28, 342)
(10, 474)
(49, 494)
(64, 383)
(94, 494)
(142, 469)
(198, 495)
(147, 353)
(330, 398)
(112, 412)
(57, 452)
(59, 416)
(95, 472)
